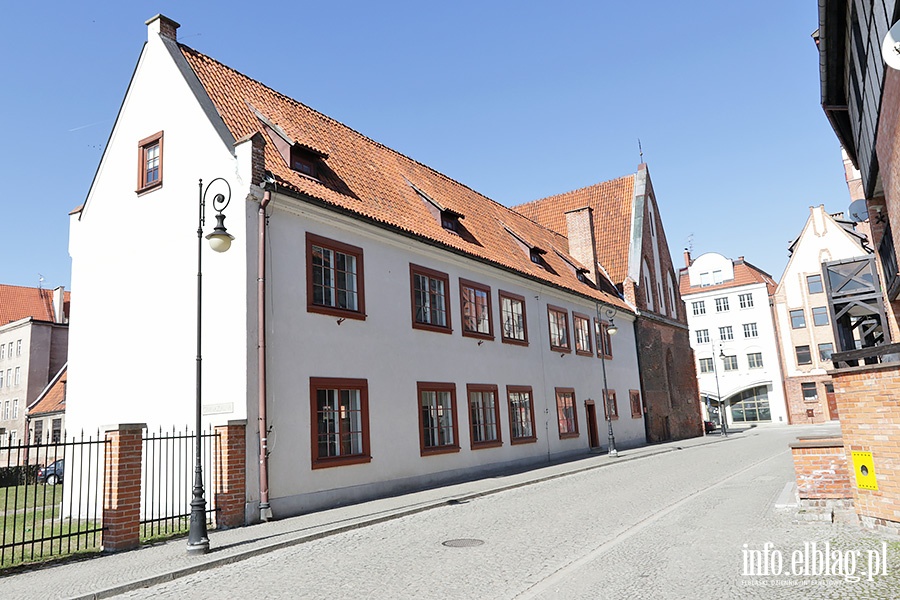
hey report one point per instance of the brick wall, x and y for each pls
(821, 469)
(231, 475)
(797, 406)
(668, 375)
(122, 493)
(868, 399)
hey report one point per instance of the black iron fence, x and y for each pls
(168, 480)
(52, 496)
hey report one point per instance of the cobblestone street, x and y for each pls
(675, 525)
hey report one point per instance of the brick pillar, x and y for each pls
(122, 496)
(231, 471)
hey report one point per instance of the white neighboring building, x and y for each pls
(733, 337)
(806, 333)
(416, 332)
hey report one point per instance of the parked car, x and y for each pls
(709, 426)
(52, 473)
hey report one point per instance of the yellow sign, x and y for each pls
(864, 467)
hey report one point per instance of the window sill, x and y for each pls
(428, 327)
(439, 450)
(567, 436)
(478, 336)
(514, 341)
(340, 461)
(584, 352)
(149, 188)
(336, 312)
(560, 349)
(528, 440)
(483, 445)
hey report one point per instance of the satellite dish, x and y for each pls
(858, 211)
(890, 48)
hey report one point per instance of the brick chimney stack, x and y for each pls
(163, 26)
(687, 257)
(580, 231)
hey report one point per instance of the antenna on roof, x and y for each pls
(690, 243)
(640, 150)
(40, 281)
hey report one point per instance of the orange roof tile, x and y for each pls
(52, 399)
(372, 181)
(19, 302)
(744, 274)
(611, 203)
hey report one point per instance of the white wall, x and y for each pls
(134, 263)
(392, 356)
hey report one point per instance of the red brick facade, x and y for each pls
(231, 475)
(868, 399)
(821, 469)
(122, 493)
(798, 407)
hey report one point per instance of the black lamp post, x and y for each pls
(722, 420)
(611, 330)
(220, 241)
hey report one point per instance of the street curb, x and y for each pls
(366, 521)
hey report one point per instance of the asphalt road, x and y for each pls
(696, 523)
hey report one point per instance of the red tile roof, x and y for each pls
(372, 181)
(611, 203)
(744, 274)
(52, 399)
(19, 302)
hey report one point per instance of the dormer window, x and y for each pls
(447, 217)
(303, 161)
(450, 221)
(535, 254)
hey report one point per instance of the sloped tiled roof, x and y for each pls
(372, 181)
(744, 274)
(611, 202)
(53, 398)
(18, 302)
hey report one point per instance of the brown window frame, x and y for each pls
(637, 408)
(432, 386)
(576, 317)
(482, 388)
(609, 398)
(565, 313)
(143, 146)
(340, 247)
(338, 383)
(604, 340)
(515, 298)
(573, 433)
(520, 389)
(476, 287)
(431, 274)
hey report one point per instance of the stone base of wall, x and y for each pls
(880, 525)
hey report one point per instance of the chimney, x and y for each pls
(580, 231)
(59, 296)
(687, 257)
(163, 26)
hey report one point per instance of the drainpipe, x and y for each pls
(265, 511)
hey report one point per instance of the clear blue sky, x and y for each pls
(518, 100)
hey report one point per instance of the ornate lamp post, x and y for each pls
(220, 241)
(611, 330)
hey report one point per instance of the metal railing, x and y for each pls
(52, 497)
(167, 481)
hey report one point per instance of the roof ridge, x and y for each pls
(359, 134)
(587, 187)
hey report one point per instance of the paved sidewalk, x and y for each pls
(109, 575)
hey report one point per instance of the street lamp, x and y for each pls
(220, 241)
(722, 421)
(611, 330)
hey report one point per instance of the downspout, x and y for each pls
(265, 511)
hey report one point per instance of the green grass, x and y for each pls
(29, 496)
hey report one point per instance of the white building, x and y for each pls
(415, 331)
(804, 320)
(733, 337)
